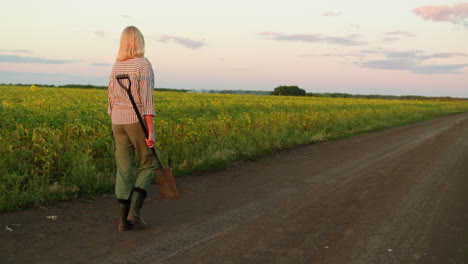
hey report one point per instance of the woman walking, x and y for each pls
(129, 138)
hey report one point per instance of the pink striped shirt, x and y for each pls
(142, 77)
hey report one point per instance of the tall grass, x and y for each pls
(56, 144)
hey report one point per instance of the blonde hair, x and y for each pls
(132, 44)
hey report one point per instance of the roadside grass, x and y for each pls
(57, 143)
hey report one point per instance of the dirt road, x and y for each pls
(395, 196)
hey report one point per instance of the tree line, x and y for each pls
(296, 91)
(283, 90)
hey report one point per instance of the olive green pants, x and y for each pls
(129, 140)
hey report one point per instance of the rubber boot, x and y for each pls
(124, 207)
(136, 202)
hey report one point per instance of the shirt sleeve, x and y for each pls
(146, 83)
(110, 90)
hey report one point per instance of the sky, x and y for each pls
(399, 47)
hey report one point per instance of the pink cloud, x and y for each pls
(443, 12)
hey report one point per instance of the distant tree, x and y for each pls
(289, 91)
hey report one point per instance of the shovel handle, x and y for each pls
(135, 107)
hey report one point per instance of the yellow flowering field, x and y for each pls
(56, 143)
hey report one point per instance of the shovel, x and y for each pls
(164, 177)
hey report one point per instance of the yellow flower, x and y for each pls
(33, 87)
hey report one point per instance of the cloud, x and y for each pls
(189, 43)
(341, 55)
(397, 35)
(414, 66)
(101, 64)
(372, 51)
(332, 14)
(413, 61)
(390, 39)
(348, 40)
(439, 69)
(400, 34)
(19, 59)
(100, 33)
(443, 13)
(16, 51)
(413, 54)
(390, 64)
(445, 55)
(419, 54)
(50, 78)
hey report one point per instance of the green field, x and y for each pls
(57, 143)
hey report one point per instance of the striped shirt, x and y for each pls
(142, 77)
